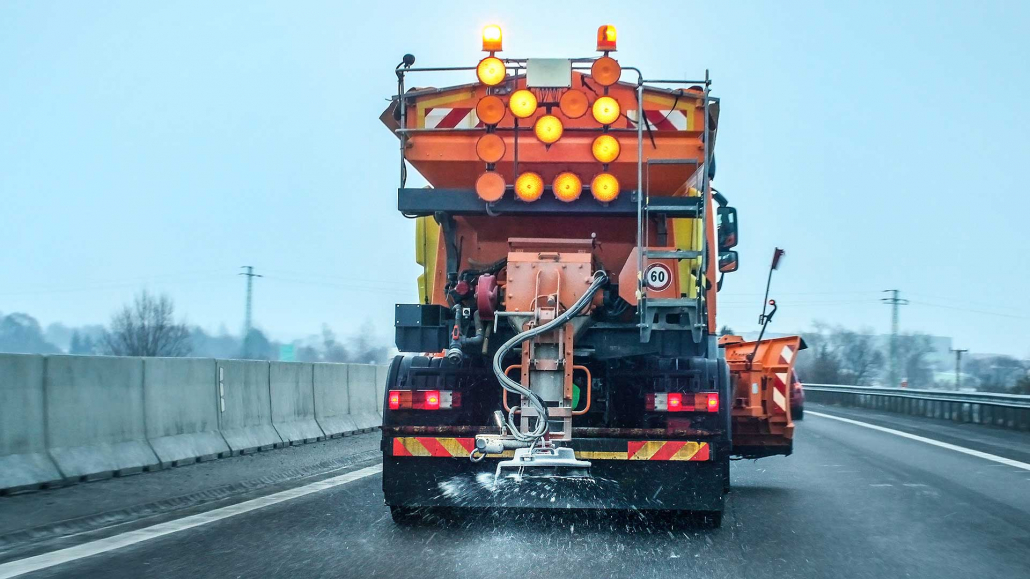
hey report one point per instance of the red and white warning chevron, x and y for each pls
(663, 119)
(452, 118)
(780, 389)
(786, 355)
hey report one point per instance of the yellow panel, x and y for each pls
(422, 293)
(600, 455)
(427, 235)
(688, 235)
(420, 236)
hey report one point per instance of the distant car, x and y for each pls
(797, 397)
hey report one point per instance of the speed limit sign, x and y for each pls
(658, 276)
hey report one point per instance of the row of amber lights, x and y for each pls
(529, 186)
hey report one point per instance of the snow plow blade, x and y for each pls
(761, 378)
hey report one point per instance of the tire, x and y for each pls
(709, 519)
(404, 516)
(691, 519)
(726, 476)
(798, 413)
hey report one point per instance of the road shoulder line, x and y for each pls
(930, 441)
(46, 560)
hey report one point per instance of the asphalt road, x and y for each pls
(851, 502)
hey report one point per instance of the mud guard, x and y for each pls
(761, 376)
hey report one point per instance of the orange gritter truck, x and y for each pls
(573, 249)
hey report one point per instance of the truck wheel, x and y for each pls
(709, 519)
(726, 476)
(405, 516)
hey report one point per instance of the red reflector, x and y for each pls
(675, 402)
(713, 402)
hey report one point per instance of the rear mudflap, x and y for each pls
(646, 475)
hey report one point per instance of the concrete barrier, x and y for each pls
(291, 385)
(180, 402)
(361, 383)
(94, 416)
(69, 417)
(245, 406)
(332, 404)
(382, 371)
(24, 462)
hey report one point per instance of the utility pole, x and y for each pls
(958, 367)
(894, 301)
(250, 294)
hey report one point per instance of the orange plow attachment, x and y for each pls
(762, 379)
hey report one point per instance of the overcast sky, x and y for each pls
(163, 145)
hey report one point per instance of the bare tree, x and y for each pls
(257, 346)
(998, 373)
(334, 351)
(836, 355)
(861, 361)
(363, 347)
(147, 328)
(1022, 385)
(913, 352)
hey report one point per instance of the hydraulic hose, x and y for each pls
(541, 426)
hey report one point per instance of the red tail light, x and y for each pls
(424, 400)
(713, 402)
(677, 402)
(674, 402)
(431, 399)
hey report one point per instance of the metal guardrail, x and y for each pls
(1004, 410)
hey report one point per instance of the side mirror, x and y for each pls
(727, 217)
(727, 261)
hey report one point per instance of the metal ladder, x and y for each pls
(680, 313)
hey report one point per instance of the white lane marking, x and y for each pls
(962, 449)
(46, 560)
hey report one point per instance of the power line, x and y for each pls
(351, 280)
(802, 303)
(102, 285)
(831, 293)
(963, 300)
(363, 288)
(1016, 316)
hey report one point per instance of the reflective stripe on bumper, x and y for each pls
(660, 450)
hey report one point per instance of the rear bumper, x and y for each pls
(620, 483)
